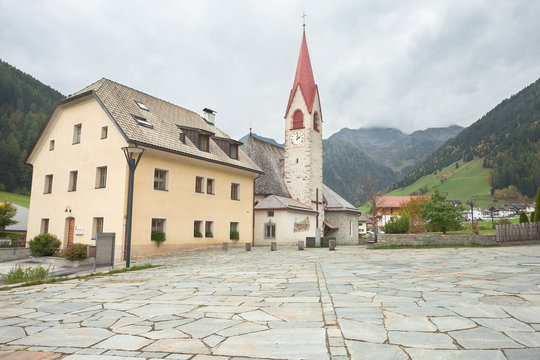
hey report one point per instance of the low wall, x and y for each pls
(14, 253)
(432, 239)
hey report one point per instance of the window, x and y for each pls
(104, 132)
(210, 186)
(182, 138)
(234, 232)
(270, 213)
(209, 229)
(234, 152)
(234, 226)
(197, 224)
(44, 226)
(203, 142)
(316, 122)
(73, 180)
(97, 226)
(48, 184)
(158, 225)
(142, 121)
(51, 145)
(199, 181)
(77, 133)
(235, 191)
(298, 120)
(160, 179)
(270, 231)
(101, 177)
(141, 105)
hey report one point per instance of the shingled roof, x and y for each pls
(334, 202)
(274, 202)
(269, 158)
(166, 121)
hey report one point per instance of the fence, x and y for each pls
(518, 232)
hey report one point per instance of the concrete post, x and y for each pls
(248, 246)
(317, 237)
(273, 246)
(225, 246)
(301, 245)
(332, 245)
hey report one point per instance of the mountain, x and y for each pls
(507, 139)
(25, 104)
(351, 155)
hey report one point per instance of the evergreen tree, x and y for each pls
(441, 215)
(523, 218)
(537, 208)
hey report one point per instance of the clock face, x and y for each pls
(297, 138)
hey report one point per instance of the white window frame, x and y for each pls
(98, 176)
(72, 185)
(77, 133)
(167, 179)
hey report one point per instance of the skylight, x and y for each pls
(141, 105)
(142, 121)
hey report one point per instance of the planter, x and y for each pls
(14, 253)
(59, 262)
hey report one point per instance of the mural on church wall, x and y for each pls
(300, 226)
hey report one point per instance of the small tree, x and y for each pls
(7, 212)
(523, 218)
(533, 215)
(414, 209)
(537, 208)
(44, 245)
(441, 215)
(399, 225)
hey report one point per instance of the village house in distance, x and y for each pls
(291, 200)
(193, 182)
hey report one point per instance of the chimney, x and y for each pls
(210, 115)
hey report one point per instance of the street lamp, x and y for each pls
(131, 151)
(471, 204)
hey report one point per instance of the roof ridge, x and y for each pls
(265, 141)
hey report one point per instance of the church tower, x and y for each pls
(303, 137)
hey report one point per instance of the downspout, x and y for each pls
(253, 212)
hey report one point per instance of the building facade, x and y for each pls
(193, 182)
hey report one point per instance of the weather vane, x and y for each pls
(303, 18)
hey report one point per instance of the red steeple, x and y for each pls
(304, 78)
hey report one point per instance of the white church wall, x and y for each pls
(290, 226)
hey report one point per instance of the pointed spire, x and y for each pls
(303, 77)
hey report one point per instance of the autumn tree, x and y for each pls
(7, 213)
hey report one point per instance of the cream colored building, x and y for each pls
(192, 178)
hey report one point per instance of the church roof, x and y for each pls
(163, 123)
(334, 202)
(274, 202)
(269, 158)
(303, 78)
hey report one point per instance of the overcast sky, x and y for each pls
(404, 64)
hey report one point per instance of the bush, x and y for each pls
(158, 237)
(400, 225)
(76, 252)
(523, 218)
(209, 234)
(533, 216)
(197, 233)
(6, 245)
(235, 235)
(504, 222)
(19, 274)
(44, 245)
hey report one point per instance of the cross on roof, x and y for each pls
(303, 18)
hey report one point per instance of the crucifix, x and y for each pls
(303, 18)
(317, 202)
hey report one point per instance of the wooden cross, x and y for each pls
(303, 18)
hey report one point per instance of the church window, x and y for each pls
(270, 213)
(298, 120)
(270, 231)
(316, 122)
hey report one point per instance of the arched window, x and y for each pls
(316, 122)
(298, 120)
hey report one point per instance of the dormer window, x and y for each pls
(141, 105)
(234, 151)
(203, 142)
(142, 121)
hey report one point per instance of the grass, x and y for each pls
(85, 277)
(11, 234)
(468, 181)
(22, 200)
(434, 246)
(25, 274)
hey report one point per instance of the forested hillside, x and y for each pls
(507, 138)
(25, 104)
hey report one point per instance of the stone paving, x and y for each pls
(466, 303)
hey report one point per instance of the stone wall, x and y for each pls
(16, 253)
(347, 234)
(432, 239)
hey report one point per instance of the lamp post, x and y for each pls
(130, 151)
(471, 204)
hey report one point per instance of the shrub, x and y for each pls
(523, 218)
(400, 225)
(533, 216)
(6, 245)
(235, 235)
(209, 234)
(504, 221)
(158, 237)
(44, 245)
(75, 252)
(19, 274)
(197, 233)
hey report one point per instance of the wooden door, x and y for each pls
(71, 231)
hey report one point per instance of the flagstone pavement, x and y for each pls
(352, 303)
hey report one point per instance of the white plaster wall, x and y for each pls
(284, 220)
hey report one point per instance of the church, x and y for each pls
(291, 200)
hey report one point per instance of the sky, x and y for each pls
(409, 65)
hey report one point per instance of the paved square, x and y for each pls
(467, 303)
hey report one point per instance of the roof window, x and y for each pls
(142, 121)
(141, 105)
